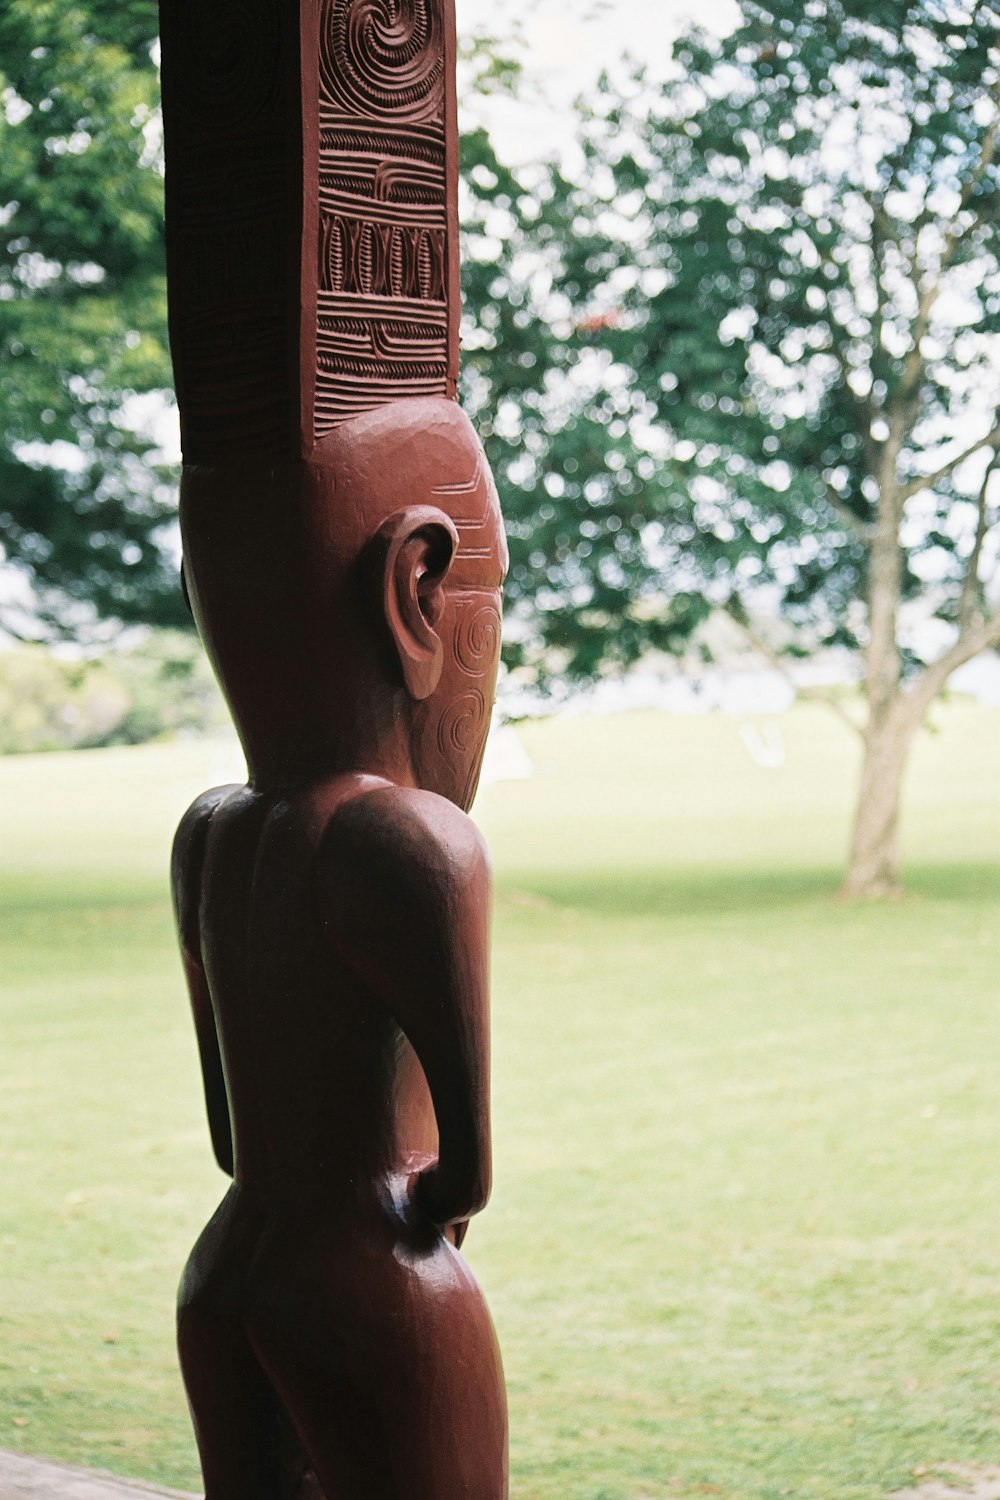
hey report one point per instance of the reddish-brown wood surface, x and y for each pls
(344, 556)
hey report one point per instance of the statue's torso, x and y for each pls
(326, 1095)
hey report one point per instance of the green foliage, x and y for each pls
(157, 689)
(689, 354)
(49, 704)
(82, 311)
(171, 690)
(776, 274)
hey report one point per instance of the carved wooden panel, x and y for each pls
(312, 234)
(386, 307)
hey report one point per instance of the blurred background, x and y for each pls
(732, 338)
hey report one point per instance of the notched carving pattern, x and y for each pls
(475, 543)
(382, 260)
(382, 299)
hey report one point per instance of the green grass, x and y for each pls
(745, 1238)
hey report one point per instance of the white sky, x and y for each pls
(568, 43)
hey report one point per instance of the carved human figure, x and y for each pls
(334, 917)
(344, 555)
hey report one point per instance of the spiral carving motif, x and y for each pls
(477, 639)
(383, 59)
(387, 317)
(461, 726)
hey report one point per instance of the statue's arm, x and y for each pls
(186, 863)
(405, 893)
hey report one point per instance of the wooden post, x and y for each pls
(344, 556)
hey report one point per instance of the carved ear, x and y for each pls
(417, 548)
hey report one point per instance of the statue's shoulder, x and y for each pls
(402, 833)
(395, 858)
(188, 851)
(192, 830)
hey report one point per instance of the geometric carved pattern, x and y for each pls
(384, 327)
(474, 530)
(330, 119)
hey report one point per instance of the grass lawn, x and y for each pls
(745, 1238)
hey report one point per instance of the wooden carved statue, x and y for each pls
(343, 557)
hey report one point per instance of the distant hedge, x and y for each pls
(157, 688)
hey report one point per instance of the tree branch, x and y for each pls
(987, 151)
(865, 409)
(970, 583)
(843, 510)
(987, 155)
(969, 644)
(736, 612)
(881, 230)
(17, 633)
(928, 481)
(913, 365)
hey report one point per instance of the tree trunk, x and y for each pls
(873, 867)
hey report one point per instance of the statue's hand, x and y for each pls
(416, 854)
(433, 1205)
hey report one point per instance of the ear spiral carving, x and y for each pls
(383, 58)
(477, 639)
(460, 727)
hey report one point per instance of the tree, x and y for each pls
(772, 379)
(84, 503)
(744, 358)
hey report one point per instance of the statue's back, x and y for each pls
(316, 1288)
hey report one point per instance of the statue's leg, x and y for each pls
(246, 1444)
(387, 1362)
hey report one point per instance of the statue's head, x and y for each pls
(351, 601)
(348, 591)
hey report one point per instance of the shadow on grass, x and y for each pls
(731, 892)
(974, 880)
(35, 893)
(645, 892)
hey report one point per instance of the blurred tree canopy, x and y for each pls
(743, 354)
(82, 311)
(748, 358)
